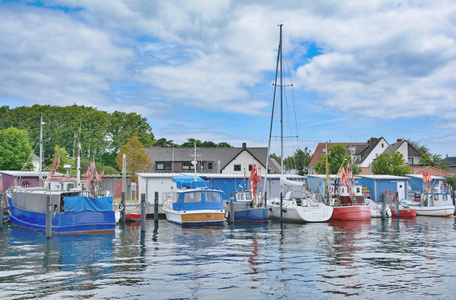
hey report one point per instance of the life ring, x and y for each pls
(120, 207)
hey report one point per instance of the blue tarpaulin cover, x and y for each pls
(189, 182)
(81, 203)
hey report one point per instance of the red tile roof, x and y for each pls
(431, 171)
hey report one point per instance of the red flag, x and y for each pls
(55, 164)
(89, 175)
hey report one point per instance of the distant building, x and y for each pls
(451, 163)
(411, 155)
(363, 153)
(220, 160)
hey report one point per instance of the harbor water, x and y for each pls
(376, 259)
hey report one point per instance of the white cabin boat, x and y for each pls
(193, 204)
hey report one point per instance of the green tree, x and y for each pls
(191, 143)
(162, 142)
(299, 161)
(337, 158)
(100, 133)
(14, 150)
(391, 164)
(224, 144)
(137, 160)
(429, 159)
(452, 181)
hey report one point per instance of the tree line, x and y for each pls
(100, 133)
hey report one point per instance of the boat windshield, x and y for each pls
(212, 197)
(192, 197)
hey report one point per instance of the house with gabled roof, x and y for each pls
(363, 153)
(221, 160)
(411, 155)
(374, 147)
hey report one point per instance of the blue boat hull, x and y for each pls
(257, 215)
(65, 222)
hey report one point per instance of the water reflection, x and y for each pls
(290, 261)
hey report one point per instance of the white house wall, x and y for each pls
(244, 159)
(375, 153)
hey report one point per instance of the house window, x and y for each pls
(410, 161)
(209, 166)
(237, 167)
(163, 166)
(187, 166)
(201, 166)
(250, 167)
(383, 145)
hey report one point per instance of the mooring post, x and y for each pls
(123, 208)
(232, 210)
(281, 205)
(397, 205)
(156, 207)
(383, 207)
(454, 200)
(48, 217)
(143, 212)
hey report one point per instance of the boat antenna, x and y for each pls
(78, 170)
(41, 149)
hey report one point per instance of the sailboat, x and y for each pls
(296, 206)
(246, 206)
(72, 208)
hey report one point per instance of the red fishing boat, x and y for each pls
(405, 211)
(347, 199)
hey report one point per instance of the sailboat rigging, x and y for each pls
(297, 205)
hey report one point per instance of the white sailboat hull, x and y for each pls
(291, 212)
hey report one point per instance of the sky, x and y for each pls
(205, 69)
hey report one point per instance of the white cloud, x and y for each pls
(381, 59)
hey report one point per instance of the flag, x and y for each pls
(55, 165)
(89, 175)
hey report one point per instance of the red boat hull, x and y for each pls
(132, 217)
(404, 213)
(351, 213)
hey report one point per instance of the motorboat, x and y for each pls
(245, 208)
(193, 203)
(347, 205)
(73, 211)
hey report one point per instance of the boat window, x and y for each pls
(358, 190)
(212, 197)
(192, 197)
(240, 196)
(248, 196)
(444, 197)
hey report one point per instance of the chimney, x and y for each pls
(244, 145)
(399, 140)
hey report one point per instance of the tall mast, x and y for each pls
(281, 102)
(281, 123)
(272, 121)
